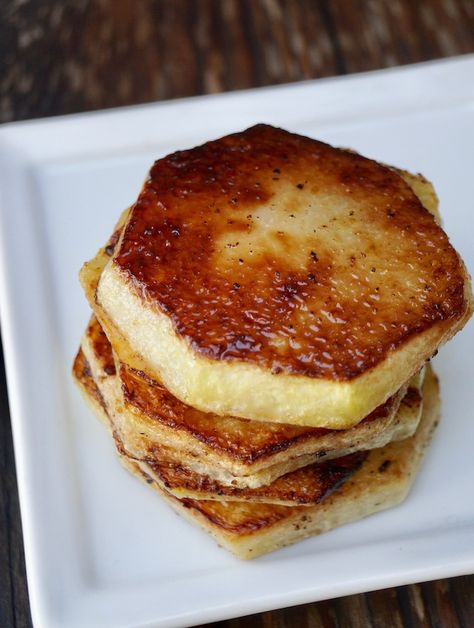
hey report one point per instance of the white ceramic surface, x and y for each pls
(103, 550)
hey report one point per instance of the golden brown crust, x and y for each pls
(82, 374)
(250, 308)
(240, 439)
(305, 486)
(239, 517)
(176, 471)
(309, 485)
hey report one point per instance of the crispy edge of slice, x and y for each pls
(213, 465)
(307, 486)
(142, 443)
(406, 424)
(84, 381)
(383, 482)
(332, 444)
(106, 383)
(295, 491)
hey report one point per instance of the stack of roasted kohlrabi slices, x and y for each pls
(263, 317)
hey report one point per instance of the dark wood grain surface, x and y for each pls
(60, 57)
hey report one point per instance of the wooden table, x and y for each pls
(66, 56)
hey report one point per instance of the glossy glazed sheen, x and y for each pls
(275, 249)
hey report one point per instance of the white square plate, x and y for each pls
(103, 550)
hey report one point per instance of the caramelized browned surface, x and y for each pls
(112, 242)
(241, 438)
(371, 269)
(241, 517)
(82, 372)
(309, 485)
(412, 397)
